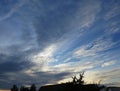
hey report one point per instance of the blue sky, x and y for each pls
(48, 41)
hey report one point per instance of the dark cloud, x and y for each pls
(13, 66)
(14, 63)
(38, 78)
(42, 78)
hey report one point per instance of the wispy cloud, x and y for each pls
(109, 76)
(43, 58)
(113, 11)
(93, 48)
(13, 10)
(83, 16)
(108, 63)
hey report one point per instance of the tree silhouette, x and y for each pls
(33, 87)
(14, 88)
(79, 80)
(24, 88)
(74, 80)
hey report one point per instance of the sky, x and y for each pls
(49, 41)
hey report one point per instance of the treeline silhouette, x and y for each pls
(77, 84)
(22, 88)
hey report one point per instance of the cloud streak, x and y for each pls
(94, 48)
(13, 10)
(108, 63)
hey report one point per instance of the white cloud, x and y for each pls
(90, 77)
(83, 52)
(43, 58)
(45, 55)
(106, 76)
(92, 49)
(74, 67)
(108, 63)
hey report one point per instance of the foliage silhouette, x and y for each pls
(14, 88)
(79, 80)
(24, 88)
(33, 87)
